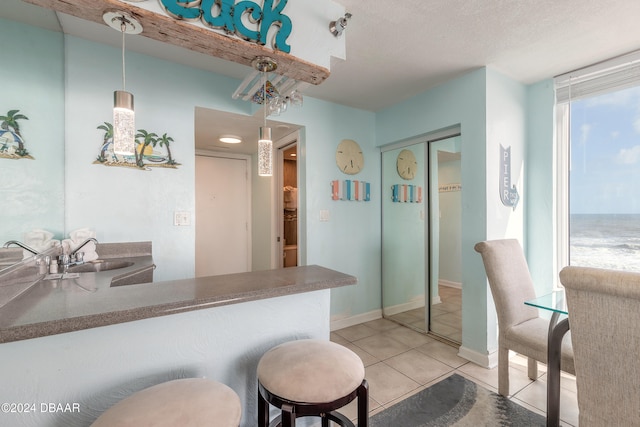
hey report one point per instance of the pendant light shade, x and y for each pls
(265, 150)
(265, 143)
(124, 127)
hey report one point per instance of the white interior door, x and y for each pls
(222, 216)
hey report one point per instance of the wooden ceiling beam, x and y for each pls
(183, 34)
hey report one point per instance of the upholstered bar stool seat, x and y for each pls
(191, 402)
(311, 378)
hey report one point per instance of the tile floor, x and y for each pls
(400, 362)
(446, 316)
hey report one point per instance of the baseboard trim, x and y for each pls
(416, 302)
(488, 361)
(450, 284)
(345, 322)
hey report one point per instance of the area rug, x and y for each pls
(456, 401)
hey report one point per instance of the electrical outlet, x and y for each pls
(181, 218)
(324, 215)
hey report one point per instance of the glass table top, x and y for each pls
(553, 301)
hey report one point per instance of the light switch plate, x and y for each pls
(324, 215)
(181, 218)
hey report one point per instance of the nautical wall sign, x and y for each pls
(233, 18)
(508, 192)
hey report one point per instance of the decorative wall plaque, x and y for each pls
(508, 191)
(151, 150)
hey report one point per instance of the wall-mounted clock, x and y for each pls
(407, 164)
(349, 157)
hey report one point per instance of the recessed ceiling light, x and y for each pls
(230, 139)
(293, 154)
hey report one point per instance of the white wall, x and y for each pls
(128, 204)
(540, 186)
(506, 126)
(32, 191)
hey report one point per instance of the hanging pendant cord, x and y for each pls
(264, 82)
(123, 28)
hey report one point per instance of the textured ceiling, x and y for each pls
(398, 49)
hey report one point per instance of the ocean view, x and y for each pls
(605, 241)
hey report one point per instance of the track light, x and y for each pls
(337, 27)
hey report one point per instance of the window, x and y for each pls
(599, 166)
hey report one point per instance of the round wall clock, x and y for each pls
(407, 164)
(349, 157)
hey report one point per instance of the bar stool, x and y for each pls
(311, 378)
(190, 402)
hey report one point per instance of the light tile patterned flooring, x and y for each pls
(400, 362)
(446, 316)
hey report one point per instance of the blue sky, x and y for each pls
(605, 153)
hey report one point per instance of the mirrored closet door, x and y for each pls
(445, 205)
(404, 266)
(421, 206)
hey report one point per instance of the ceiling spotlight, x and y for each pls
(230, 139)
(337, 27)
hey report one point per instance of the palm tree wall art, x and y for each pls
(11, 140)
(145, 156)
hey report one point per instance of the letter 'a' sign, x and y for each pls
(231, 17)
(508, 192)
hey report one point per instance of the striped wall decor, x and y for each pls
(351, 190)
(403, 193)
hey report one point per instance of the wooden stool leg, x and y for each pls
(263, 411)
(363, 404)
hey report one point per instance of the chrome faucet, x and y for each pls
(74, 258)
(22, 245)
(90, 239)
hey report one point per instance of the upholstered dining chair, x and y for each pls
(520, 328)
(604, 315)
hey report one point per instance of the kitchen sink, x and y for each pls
(98, 266)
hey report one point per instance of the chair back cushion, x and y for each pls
(604, 314)
(509, 279)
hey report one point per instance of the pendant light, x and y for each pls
(124, 127)
(265, 143)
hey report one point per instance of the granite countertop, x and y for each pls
(61, 305)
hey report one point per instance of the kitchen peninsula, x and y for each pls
(91, 349)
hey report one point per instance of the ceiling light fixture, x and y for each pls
(265, 144)
(124, 128)
(337, 27)
(230, 139)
